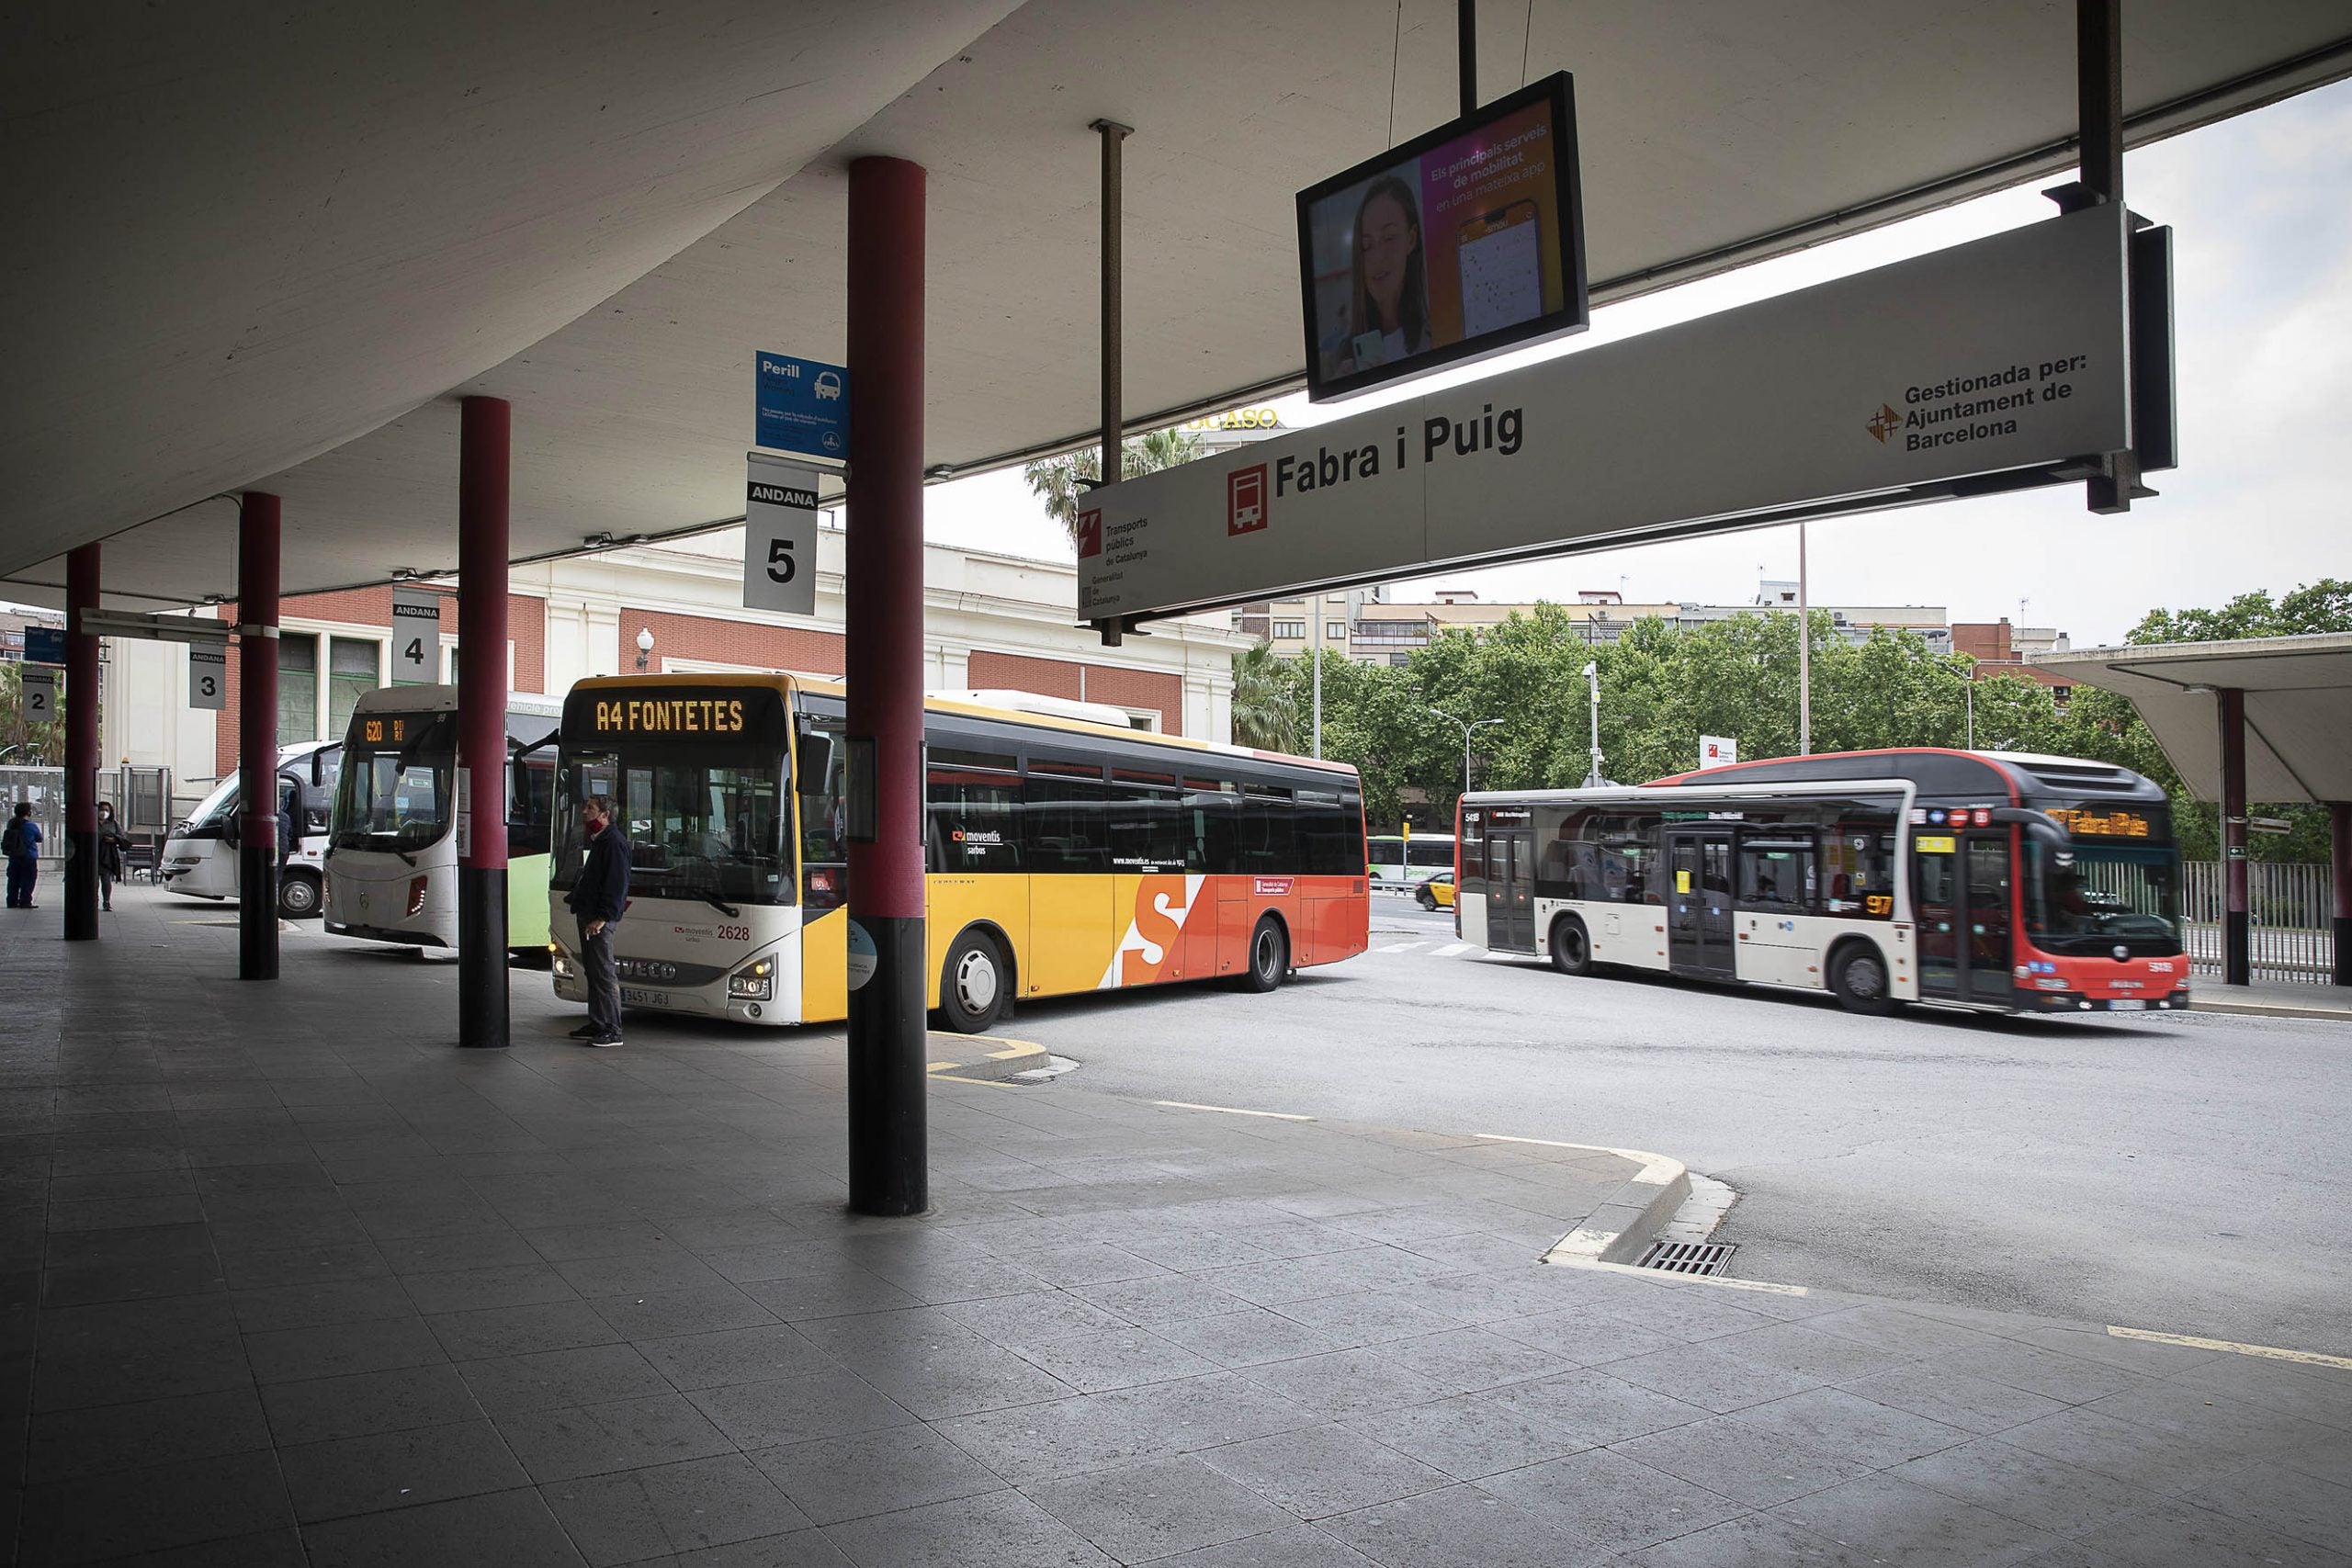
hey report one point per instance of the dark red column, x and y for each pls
(2339, 820)
(257, 533)
(888, 1162)
(2237, 966)
(483, 442)
(81, 748)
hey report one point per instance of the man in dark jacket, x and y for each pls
(596, 900)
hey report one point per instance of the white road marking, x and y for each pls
(1231, 1111)
(1450, 948)
(1401, 947)
(2267, 1352)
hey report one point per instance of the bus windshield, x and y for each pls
(2103, 894)
(394, 792)
(703, 822)
(215, 808)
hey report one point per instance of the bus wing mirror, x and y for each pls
(812, 761)
(2038, 824)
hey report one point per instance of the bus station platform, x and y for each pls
(290, 1279)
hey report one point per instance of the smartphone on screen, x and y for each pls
(1502, 268)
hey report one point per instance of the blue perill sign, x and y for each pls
(803, 407)
(44, 644)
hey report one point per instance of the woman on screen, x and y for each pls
(1388, 317)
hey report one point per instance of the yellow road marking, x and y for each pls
(1231, 1111)
(2267, 1352)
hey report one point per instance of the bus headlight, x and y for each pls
(753, 982)
(415, 895)
(561, 962)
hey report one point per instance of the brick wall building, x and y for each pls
(990, 623)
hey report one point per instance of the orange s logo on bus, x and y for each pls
(1163, 905)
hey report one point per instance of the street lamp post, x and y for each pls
(1466, 728)
(644, 646)
(1968, 686)
(1592, 679)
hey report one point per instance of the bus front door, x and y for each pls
(1699, 933)
(1963, 893)
(1510, 890)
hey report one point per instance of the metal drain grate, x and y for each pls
(1689, 1257)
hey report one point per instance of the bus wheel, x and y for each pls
(1858, 975)
(972, 986)
(1571, 946)
(298, 897)
(1268, 956)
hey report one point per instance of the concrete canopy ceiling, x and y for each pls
(1711, 134)
(245, 232)
(2297, 707)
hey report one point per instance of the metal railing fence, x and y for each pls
(2291, 925)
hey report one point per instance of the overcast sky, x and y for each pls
(2261, 208)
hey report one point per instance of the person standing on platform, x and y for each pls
(21, 841)
(596, 900)
(113, 844)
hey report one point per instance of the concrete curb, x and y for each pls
(2272, 1009)
(1619, 1229)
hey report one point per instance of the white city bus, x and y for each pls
(391, 860)
(1980, 879)
(199, 860)
(1400, 864)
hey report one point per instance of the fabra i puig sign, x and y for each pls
(2007, 354)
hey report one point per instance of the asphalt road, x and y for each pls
(2188, 1173)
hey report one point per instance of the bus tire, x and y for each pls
(297, 896)
(1268, 956)
(975, 984)
(1571, 946)
(1858, 977)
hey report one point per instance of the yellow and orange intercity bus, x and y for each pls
(1065, 854)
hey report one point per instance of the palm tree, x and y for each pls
(1265, 711)
(1054, 480)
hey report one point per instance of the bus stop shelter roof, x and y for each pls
(257, 245)
(2297, 707)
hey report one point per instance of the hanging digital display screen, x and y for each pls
(1459, 244)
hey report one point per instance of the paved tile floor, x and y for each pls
(288, 1278)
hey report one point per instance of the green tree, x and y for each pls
(1056, 481)
(1264, 715)
(2322, 607)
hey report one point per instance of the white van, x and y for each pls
(198, 860)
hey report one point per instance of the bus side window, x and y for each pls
(972, 821)
(1471, 876)
(1269, 835)
(1064, 825)
(1148, 830)
(1330, 834)
(1776, 877)
(1216, 832)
